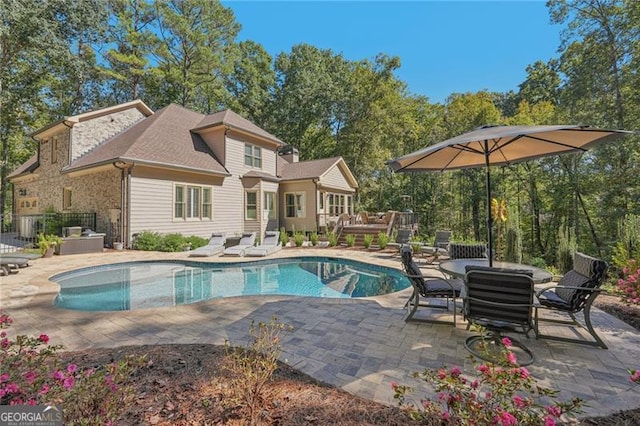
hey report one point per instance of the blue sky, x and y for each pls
(444, 47)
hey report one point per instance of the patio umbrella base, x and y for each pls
(490, 348)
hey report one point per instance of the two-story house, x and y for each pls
(178, 171)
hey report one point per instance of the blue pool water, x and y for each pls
(152, 284)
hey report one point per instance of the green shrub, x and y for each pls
(333, 239)
(314, 238)
(383, 240)
(284, 237)
(538, 262)
(298, 239)
(148, 241)
(194, 241)
(251, 368)
(367, 240)
(172, 243)
(350, 240)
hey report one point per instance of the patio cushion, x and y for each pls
(590, 267)
(527, 272)
(551, 299)
(587, 272)
(467, 251)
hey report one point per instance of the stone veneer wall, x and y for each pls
(88, 134)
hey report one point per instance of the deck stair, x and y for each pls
(360, 231)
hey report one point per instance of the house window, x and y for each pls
(252, 156)
(294, 203)
(54, 150)
(66, 198)
(251, 205)
(269, 205)
(321, 201)
(192, 202)
(207, 203)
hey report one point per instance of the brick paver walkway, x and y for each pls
(361, 346)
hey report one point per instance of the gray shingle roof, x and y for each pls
(231, 119)
(28, 166)
(306, 169)
(162, 139)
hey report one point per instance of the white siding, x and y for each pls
(152, 203)
(336, 180)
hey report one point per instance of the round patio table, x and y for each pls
(457, 267)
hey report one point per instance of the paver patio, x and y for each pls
(360, 345)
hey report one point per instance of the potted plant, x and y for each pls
(47, 243)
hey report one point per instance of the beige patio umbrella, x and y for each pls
(501, 145)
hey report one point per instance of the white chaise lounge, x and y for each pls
(214, 246)
(270, 245)
(247, 241)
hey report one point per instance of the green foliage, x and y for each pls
(32, 375)
(332, 237)
(194, 241)
(148, 241)
(350, 240)
(172, 243)
(513, 245)
(299, 238)
(251, 367)
(314, 238)
(565, 251)
(284, 237)
(503, 393)
(367, 240)
(48, 241)
(383, 240)
(538, 262)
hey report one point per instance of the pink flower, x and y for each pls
(4, 343)
(524, 373)
(30, 377)
(506, 341)
(68, 382)
(475, 384)
(394, 385)
(45, 389)
(455, 371)
(113, 387)
(483, 368)
(4, 377)
(3, 334)
(445, 416)
(507, 419)
(12, 388)
(43, 338)
(442, 374)
(88, 372)
(58, 375)
(511, 357)
(32, 401)
(71, 368)
(518, 401)
(549, 421)
(554, 411)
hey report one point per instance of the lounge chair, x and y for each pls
(247, 241)
(213, 247)
(498, 300)
(270, 245)
(575, 292)
(428, 287)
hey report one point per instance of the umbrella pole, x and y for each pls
(489, 215)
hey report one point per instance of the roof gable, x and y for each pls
(315, 169)
(231, 119)
(162, 139)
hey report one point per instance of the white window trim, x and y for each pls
(304, 201)
(254, 149)
(186, 187)
(246, 205)
(265, 211)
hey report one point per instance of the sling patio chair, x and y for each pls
(213, 247)
(271, 244)
(467, 251)
(574, 293)
(247, 241)
(428, 288)
(498, 300)
(440, 245)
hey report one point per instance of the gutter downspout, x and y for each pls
(125, 178)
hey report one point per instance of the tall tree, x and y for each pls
(192, 56)
(131, 33)
(44, 47)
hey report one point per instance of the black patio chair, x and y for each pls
(498, 300)
(574, 293)
(467, 251)
(427, 288)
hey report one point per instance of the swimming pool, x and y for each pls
(151, 284)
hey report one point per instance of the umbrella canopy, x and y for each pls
(500, 145)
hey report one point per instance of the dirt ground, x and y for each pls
(186, 385)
